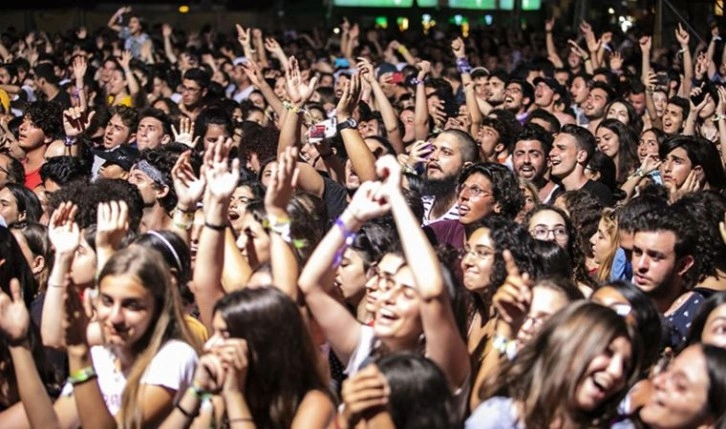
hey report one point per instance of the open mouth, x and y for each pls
(233, 215)
(386, 316)
(463, 210)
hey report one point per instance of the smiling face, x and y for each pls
(680, 396)
(618, 111)
(564, 155)
(379, 278)
(125, 309)
(607, 142)
(606, 375)
(238, 205)
(398, 316)
(513, 97)
(478, 261)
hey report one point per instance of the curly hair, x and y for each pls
(708, 207)
(258, 140)
(505, 186)
(163, 159)
(65, 169)
(47, 116)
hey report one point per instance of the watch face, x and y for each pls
(352, 122)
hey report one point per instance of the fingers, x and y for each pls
(509, 263)
(16, 292)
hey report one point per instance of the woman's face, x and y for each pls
(478, 261)
(679, 400)
(476, 199)
(610, 297)
(601, 242)
(545, 302)
(9, 207)
(605, 376)
(83, 267)
(647, 146)
(378, 278)
(714, 331)
(620, 112)
(253, 241)
(350, 277)
(117, 84)
(406, 117)
(398, 316)
(237, 206)
(125, 309)
(607, 142)
(548, 225)
(267, 173)
(660, 99)
(280, 88)
(214, 131)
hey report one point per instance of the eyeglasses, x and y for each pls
(472, 191)
(380, 278)
(478, 253)
(541, 232)
(537, 321)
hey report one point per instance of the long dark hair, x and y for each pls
(420, 396)
(627, 147)
(716, 399)
(547, 371)
(283, 361)
(699, 320)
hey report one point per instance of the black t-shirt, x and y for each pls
(62, 99)
(335, 196)
(600, 191)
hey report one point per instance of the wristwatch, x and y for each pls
(348, 123)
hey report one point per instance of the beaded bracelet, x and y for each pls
(348, 239)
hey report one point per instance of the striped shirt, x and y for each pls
(428, 203)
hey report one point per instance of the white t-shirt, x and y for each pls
(172, 367)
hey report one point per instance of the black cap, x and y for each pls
(124, 156)
(552, 83)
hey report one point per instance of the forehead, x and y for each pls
(547, 217)
(243, 191)
(481, 237)
(618, 106)
(678, 152)
(608, 295)
(150, 121)
(598, 93)
(661, 241)
(496, 80)
(674, 108)
(189, 83)
(529, 145)
(5, 194)
(446, 140)
(116, 120)
(546, 300)
(480, 180)
(565, 139)
(123, 287)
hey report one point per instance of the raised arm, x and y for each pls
(405, 53)
(244, 37)
(254, 74)
(221, 181)
(125, 62)
(299, 93)
(316, 280)
(285, 268)
(275, 49)
(444, 344)
(15, 326)
(166, 33)
(462, 64)
(361, 158)
(648, 79)
(552, 54)
(189, 190)
(114, 23)
(689, 128)
(421, 109)
(79, 72)
(260, 46)
(65, 237)
(390, 120)
(683, 38)
(721, 115)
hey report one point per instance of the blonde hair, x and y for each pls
(610, 220)
(147, 266)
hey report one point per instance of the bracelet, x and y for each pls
(82, 375)
(638, 173)
(199, 392)
(58, 285)
(718, 117)
(280, 226)
(500, 343)
(585, 58)
(416, 81)
(186, 413)
(69, 141)
(348, 239)
(682, 51)
(183, 220)
(215, 227)
(292, 108)
(462, 64)
(401, 49)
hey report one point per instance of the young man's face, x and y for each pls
(529, 159)
(655, 266)
(30, 135)
(150, 133)
(595, 104)
(116, 133)
(5, 77)
(638, 102)
(672, 118)
(513, 97)
(564, 155)
(579, 90)
(192, 93)
(495, 90)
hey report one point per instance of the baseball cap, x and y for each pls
(552, 83)
(124, 156)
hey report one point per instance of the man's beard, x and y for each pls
(440, 188)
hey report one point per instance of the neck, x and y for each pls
(574, 180)
(154, 218)
(715, 282)
(35, 157)
(664, 299)
(51, 91)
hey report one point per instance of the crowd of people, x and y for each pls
(363, 229)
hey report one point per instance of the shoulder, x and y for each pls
(172, 365)
(497, 412)
(315, 410)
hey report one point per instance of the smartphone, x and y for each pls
(342, 63)
(662, 79)
(397, 78)
(322, 130)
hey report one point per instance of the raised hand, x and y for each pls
(690, 185)
(616, 61)
(125, 60)
(721, 105)
(14, 316)
(365, 390)
(513, 298)
(243, 36)
(367, 204)
(645, 43)
(75, 121)
(166, 30)
(574, 47)
(221, 178)
(458, 48)
(549, 24)
(63, 231)
(695, 92)
(256, 33)
(420, 152)
(682, 35)
(188, 187)
(299, 91)
(112, 224)
(185, 133)
(76, 322)
(389, 171)
(424, 68)
(366, 70)
(349, 99)
(282, 182)
(235, 357)
(272, 45)
(80, 65)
